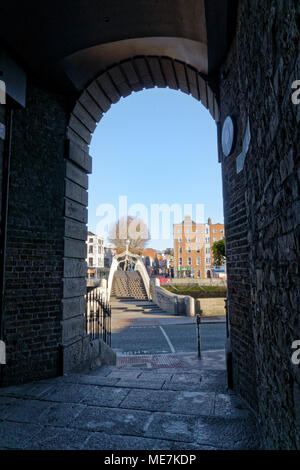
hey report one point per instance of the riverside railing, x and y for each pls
(98, 317)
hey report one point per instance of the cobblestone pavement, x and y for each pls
(144, 405)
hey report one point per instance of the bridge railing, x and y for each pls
(98, 317)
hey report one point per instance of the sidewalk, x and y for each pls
(130, 407)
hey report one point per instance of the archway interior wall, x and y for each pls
(261, 209)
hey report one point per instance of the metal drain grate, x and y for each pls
(154, 361)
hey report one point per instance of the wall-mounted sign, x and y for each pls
(240, 161)
(227, 136)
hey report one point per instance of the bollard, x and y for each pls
(198, 316)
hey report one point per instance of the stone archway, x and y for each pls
(120, 80)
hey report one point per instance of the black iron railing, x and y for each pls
(98, 317)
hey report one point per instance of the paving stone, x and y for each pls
(51, 438)
(190, 378)
(231, 406)
(27, 411)
(197, 403)
(152, 400)
(190, 446)
(60, 414)
(155, 375)
(92, 380)
(101, 371)
(6, 404)
(181, 386)
(68, 393)
(104, 396)
(35, 390)
(103, 441)
(112, 420)
(17, 435)
(171, 426)
(226, 433)
(129, 374)
(126, 410)
(155, 384)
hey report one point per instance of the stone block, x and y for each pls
(77, 175)
(85, 118)
(73, 307)
(75, 229)
(75, 192)
(76, 211)
(181, 77)
(74, 287)
(168, 69)
(82, 158)
(89, 104)
(73, 327)
(74, 267)
(108, 87)
(75, 249)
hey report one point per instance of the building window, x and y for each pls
(197, 239)
(189, 240)
(91, 249)
(198, 262)
(207, 260)
(179, 230)
(180, 261)
(198, 249)
(215, 230)
(180, 249)
(215, 239)
(188, 230)
(90, 261)
(198, 230)
(207, 251)
(99, 261)
(179, 240)
(207, 240)
(198, 273)
(222, 231)
(207, 231)
(190, 261)
(189, 249)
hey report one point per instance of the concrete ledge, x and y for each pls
(83, 354)
(211, 306)
(107, 354)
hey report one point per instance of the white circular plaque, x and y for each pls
(227, 136)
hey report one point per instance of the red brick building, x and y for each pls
(192, 248)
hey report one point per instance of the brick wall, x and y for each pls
(34, 264)
(261, 206)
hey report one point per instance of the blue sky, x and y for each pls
(155, 146)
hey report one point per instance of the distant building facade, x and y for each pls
(192, 248)
(109, 253)
(95, 255)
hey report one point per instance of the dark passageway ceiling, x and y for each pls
(67, 43)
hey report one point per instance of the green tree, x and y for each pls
(218, 250)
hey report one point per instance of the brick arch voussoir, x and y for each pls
(134, 74)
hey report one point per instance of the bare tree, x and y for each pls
(132, 229)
